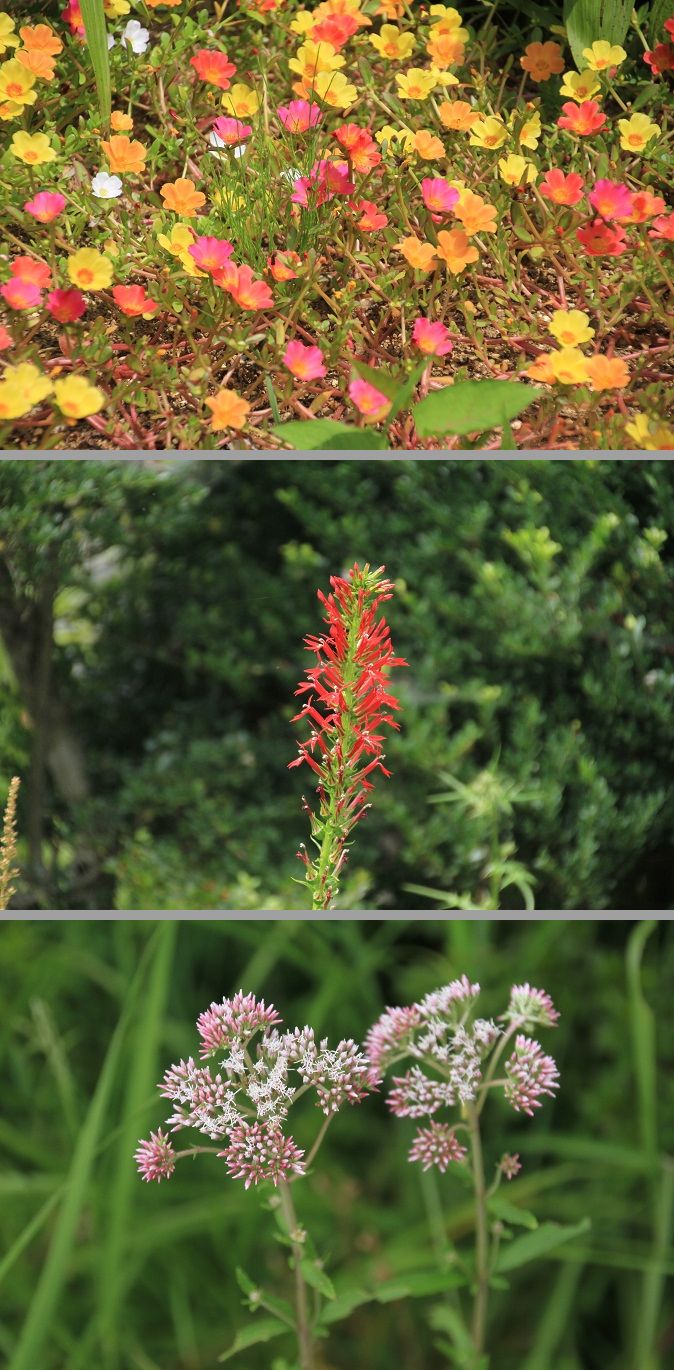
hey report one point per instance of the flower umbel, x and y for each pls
(347, 703)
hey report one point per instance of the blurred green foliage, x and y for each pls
(98, 1269)
(533, 604)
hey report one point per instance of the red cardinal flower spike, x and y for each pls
(347, 703)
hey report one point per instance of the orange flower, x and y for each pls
(121, 123)
(182, 197)
(542, 369)
(644, 205)
(458, 114)
(427, 146)
(419, 255)
(445, 50)
(124, 154)
(40, 63)
(476, 215)
(41, 38)
(607, 373)
(228, 410)
(542, 60)
(455, 250)
(249, 293)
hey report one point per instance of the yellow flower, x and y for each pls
(488, 132)
(333, 89)
(650, 434)
(602, 55)
(396, 139)
(570, 327)
(427, 146)
(8, 38)
(22, 387)
(312, 58)
(569, 366)
(178, 243)
(303, 22)
(530, 132)
(416, 84)
(636, 132)
(228, 410)
(392, 44)
(448, 20)
(443, 77)
(513, 169)
(241, 100)
(77, 398)
(89, 269)
(33, 148)
(580, 85)
(16, 85)
(114, 9)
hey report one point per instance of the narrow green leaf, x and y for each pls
(93, 19)
(509, 1212)
(539, 1243)
(317, 1278)
(417, 1284)
(472, 407)
(261, 1330)
(344, 1304)
(315, 435)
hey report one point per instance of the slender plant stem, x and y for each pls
(481, 1234)
(304, 1338)
(319, 1138)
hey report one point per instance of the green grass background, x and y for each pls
(100, 1270)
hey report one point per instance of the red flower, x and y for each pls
(661, 58)
(133, 301)
(583, 119)
(601, 239)
(66, 305)
(348, 702)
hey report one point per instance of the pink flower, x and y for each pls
(584, 119)
(529, 1075)
(436, 1145)
(234, 1020)
(390, 1036)
(46, 205)
(431, 338)
(211, 253)
(325, 180)
(20, 294)
(231, 131)
(258, 1152)
(298, 116)
(414, 1095)
(371, 218)
(510, 1165)
(6, 339)
(562, 189)
(611, 199)
(663, 228)
(601, 240)
(438, 195)
(305, 362)
(66, 305)
(369, 401)
(156, 1159)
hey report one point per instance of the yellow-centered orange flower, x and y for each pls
(125, 155)
(228, 410)
(455, 250)
(183, 197)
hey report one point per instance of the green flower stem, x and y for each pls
(303, 1328)
(481, 1233)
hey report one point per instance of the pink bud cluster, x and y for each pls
(244, 1100)
(455, 1056)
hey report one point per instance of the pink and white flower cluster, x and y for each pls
(455, 1057)
(244, 1099)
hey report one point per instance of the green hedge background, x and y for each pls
(151, 621)
(99, 1269)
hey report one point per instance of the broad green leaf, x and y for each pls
(417, 1284)
(588, 20)
(317, 1278)
(536, 1244)
(93, 19)
(472, 407)
(315, 435)
(404, 393)
(258, 1331)
(508, 1212)
(343, 1305)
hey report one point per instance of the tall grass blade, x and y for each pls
(93, 19)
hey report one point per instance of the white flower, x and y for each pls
(217, 142)
(111, 41)
(106, 187)
(135, 36)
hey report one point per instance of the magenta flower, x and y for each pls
(298, 116)
(529, 1075)
(46, 206)
(20, 294)
(234, 1021)
(156, 1159)
(436, 1145)
(211, 254)
(431, 337)
(369, 401)
(232, 132)
(611, 199)
(66, 305)
(391, 1038)
(438, 195)
(257, 1152)
(305, 362)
